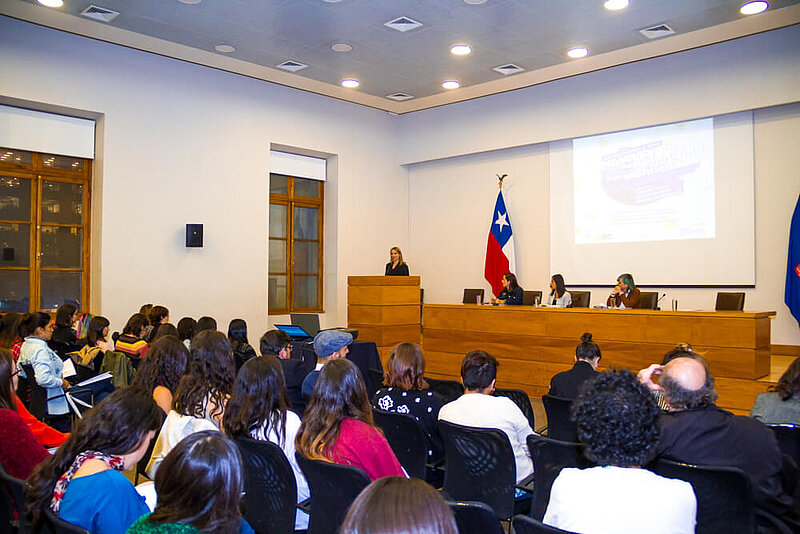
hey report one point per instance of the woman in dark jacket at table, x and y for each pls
(511, 295)
(396, 267)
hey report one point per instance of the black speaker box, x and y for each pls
(194, 235)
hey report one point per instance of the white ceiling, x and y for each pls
(532, 34)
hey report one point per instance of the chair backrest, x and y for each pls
(407, 439)
(475, 518)
(560, 425)
(648, 300)
(528, 525)
(471, 296)
(447, 390)
(84, 372)
(270, 489)
(141, 465)
(307, 321)
(38, 399)
(529, 297)
(549, 457)
(788, 437)
(522, 400)
(480, 467)
(51, 524)
(730, 301)
(376, 377)
(724, 495)
(581, 299)
(12, 498)
(62, 348)
(333, 488)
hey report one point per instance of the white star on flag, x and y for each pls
(501, 220)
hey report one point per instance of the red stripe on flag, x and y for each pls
(496, 264)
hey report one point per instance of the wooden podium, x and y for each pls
(385, 310)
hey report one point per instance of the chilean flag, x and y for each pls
(792, 294)
(500, 247)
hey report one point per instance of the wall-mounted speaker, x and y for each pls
(194, 235)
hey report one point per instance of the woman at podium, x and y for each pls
(396, 267)
(625, 293)
(511, 295)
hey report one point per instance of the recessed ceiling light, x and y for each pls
(451, 84)
(576, 53)
(190, 1)
(224, 48)
(331, 1)
(615, 5)
(751, 8)
(51, 3)
(350, 83)
(474, 2)
(341, 47)
(460, 49)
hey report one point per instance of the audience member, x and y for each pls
(406, 391)
(19, 338)
(478, 408)
(186, 330)
(66, 315)
(278, 343)
(617, 419)
(132, 339)
(20, 451)
(782, 404)
(97, 341)
(164, 329)
(162, 370)
(205, 323)
(397, 505)
(82, 483)
(210, 502)
(9, 329)
(328, 345)
(258, 409)
(696, 431)
(237, 336)
(567, 384)
(338, 427)
(157, 316)
(200, 400)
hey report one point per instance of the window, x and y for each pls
(44, 230)
(295, 245)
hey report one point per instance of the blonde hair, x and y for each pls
(399, 253)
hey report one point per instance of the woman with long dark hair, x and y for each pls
(199, 402)
(199, 487)
(338, 427)
(97, 341)
(157, 316)
(132, 339)
(66, 316)
(511, 295)
(781, 405)
(237, 335)
(37, 329)
(82, 482)
(186, 330)
(162, 370)
(259, 409)
(559, 296)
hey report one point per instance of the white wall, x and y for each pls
(181, 143)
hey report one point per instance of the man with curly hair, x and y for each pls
(617, 419)
(696, 431)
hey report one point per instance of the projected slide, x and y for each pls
(651, 184)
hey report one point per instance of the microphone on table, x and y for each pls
(659, 301)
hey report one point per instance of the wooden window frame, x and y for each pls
(291, 202)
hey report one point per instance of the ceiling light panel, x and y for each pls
(403, 24)
(99, 13)
(291, 66)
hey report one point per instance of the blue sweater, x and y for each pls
(102, 503)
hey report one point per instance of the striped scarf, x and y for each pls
(114, 462)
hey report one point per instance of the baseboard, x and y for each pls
(785, 350)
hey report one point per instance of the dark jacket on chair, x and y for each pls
(567, 384)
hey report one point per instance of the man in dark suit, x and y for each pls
(567, 384)
(278, 343)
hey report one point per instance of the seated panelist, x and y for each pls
(625, 293)
(511, 295)
(396, 267)
(559, 296)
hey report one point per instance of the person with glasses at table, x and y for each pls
(278, 343)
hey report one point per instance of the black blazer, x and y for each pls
(400, 270)
(567, 384)
(294, 372)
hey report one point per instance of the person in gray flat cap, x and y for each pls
(329, 345)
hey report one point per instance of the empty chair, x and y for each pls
(270, 489)
(560, 425)
(307, 321)
(730, 301)
(475, 518)
(448, 390)
(581, 299)
(471, 296)
(12, 499)
(333, 489)
(529, 297)
(528, 525)
(648, 300)
(522, 400)
(549, 457)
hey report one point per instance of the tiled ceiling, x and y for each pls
(532, 34)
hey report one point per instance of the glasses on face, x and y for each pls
(15, 373)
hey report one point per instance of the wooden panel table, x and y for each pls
(532, 344)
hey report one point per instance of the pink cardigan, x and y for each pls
(363, 446)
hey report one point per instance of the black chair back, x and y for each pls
(97, 363)
(648, 300)
(522, 400)
(62, 348)
(529, 297)
(788, 437)
(53, 525)
(549, 457)
(376, 377)
(730, 301)
(480, 467)
(307, 321)
(333, 489)
(528, 525)
(12, 499)
(38, 394)
(141, 465)
(84, 372)
(447, 390)
(581, 299)
(724, 496)
(407, 439)
(475, 518)
(471, 296)
(560, 425)
(270, 489)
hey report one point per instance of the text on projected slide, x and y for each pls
(650, 184)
